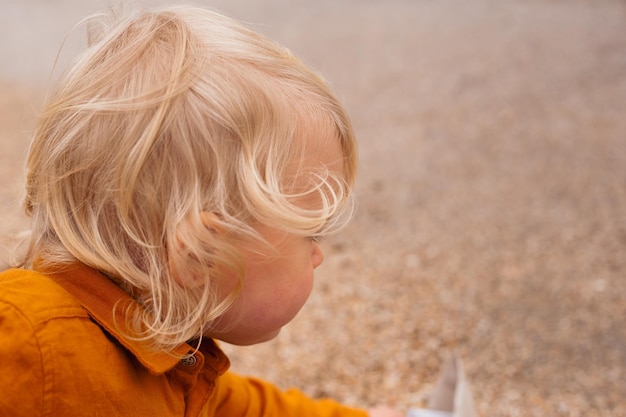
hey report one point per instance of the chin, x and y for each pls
(248, 340)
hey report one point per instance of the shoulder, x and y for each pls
(36, 314)
(37, 317)
(36, 297)
(28, 301)
(32, 304)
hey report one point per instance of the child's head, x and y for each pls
(172, 154)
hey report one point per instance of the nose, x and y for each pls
(317, 255)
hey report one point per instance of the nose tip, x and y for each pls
(317, 256)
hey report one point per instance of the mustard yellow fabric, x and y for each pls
(63, 353)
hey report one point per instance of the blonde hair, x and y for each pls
(167, 114)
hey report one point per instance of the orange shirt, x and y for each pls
(62, 355)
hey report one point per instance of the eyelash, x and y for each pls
(316, 239)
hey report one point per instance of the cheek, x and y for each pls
(285, 295)
(307, 286)
(301, 292)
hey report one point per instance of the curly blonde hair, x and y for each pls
(168, 114)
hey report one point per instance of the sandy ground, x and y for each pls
(492, 217)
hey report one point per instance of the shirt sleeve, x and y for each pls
(21, 379)
(236, 396)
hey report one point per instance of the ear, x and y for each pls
(186, 268)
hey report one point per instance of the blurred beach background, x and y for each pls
(492, 194)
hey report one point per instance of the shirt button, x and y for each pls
(188, 360)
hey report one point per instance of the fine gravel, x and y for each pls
(492, 197)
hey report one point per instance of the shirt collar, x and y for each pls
(108, 305)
